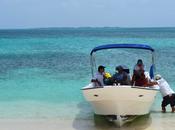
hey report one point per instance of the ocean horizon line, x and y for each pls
(84, 27)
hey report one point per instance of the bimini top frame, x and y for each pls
(113, 46)
(132, 46)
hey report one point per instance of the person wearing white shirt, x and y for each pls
(98, 79)
(167, 93)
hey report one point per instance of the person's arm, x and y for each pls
(96, 81)
(150, 83)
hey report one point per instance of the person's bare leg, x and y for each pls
(163, 109)
(173, 109)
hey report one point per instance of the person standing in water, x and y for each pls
(167, 93)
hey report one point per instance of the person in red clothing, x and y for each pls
(139, 78)
(139, 68)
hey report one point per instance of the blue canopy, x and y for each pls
(112, 46)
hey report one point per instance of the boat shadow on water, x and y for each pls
(86, 120)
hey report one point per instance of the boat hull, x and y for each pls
(120, 100)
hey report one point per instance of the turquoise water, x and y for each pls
(43, 70)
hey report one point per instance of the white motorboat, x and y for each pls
(121, 100)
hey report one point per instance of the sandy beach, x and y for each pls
(154, 121)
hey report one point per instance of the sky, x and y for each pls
(86, 13)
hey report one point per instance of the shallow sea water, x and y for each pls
(43, 70)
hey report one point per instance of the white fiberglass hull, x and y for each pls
(120, 100)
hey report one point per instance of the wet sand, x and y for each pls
(154, 121)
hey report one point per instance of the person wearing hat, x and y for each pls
(167, 93)
(121, 76)
(98, 79)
